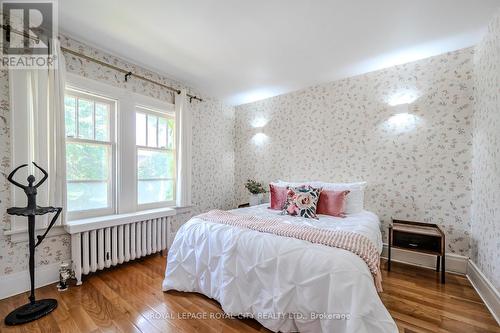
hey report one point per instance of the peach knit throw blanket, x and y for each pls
(347, 240)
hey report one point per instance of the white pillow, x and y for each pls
(355, 201)
(291, 184)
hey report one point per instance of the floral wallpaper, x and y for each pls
(408, 130)
(213, 151)
(486, 157)
(213, 156)
(416, 157)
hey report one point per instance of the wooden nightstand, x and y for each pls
(419, 237)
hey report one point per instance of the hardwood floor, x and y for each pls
(128, 298)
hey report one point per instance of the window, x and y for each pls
(120, 150)
(90, 153)
(155, 151)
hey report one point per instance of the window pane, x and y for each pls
(162, 132)
(87, 161)
(155, 164)
(69, 116)
(140, 129)
(171, 140)
(152, 131)
(87, 195)
(101, 122)
(85, 123)
(149, 191)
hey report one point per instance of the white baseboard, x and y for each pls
(17, 283)
(454, 263)
(488, 293)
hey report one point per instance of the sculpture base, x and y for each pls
(31, 311)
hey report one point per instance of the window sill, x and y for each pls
(21, 235)
(82, 225)
(184, 210)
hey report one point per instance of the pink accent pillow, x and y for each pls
(332, 203)
(278, 196)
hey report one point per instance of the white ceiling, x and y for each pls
(245, 50)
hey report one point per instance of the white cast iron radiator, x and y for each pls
(100, 243)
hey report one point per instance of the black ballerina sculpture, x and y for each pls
(34, 309)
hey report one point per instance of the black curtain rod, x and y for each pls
(127, 73)
(9, 29)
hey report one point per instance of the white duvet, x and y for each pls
(286, 284)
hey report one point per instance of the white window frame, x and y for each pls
(168, 114)
(111, 143)
(125, 189)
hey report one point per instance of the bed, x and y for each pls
(286, 284)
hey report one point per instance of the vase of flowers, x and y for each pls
(256, 192)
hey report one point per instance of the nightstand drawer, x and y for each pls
(416, 241)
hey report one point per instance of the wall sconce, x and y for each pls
(259, 138)
(258, 124)
(401, 108)
(403, 97)
(401, 121)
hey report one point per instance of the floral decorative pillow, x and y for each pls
(302, 201)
